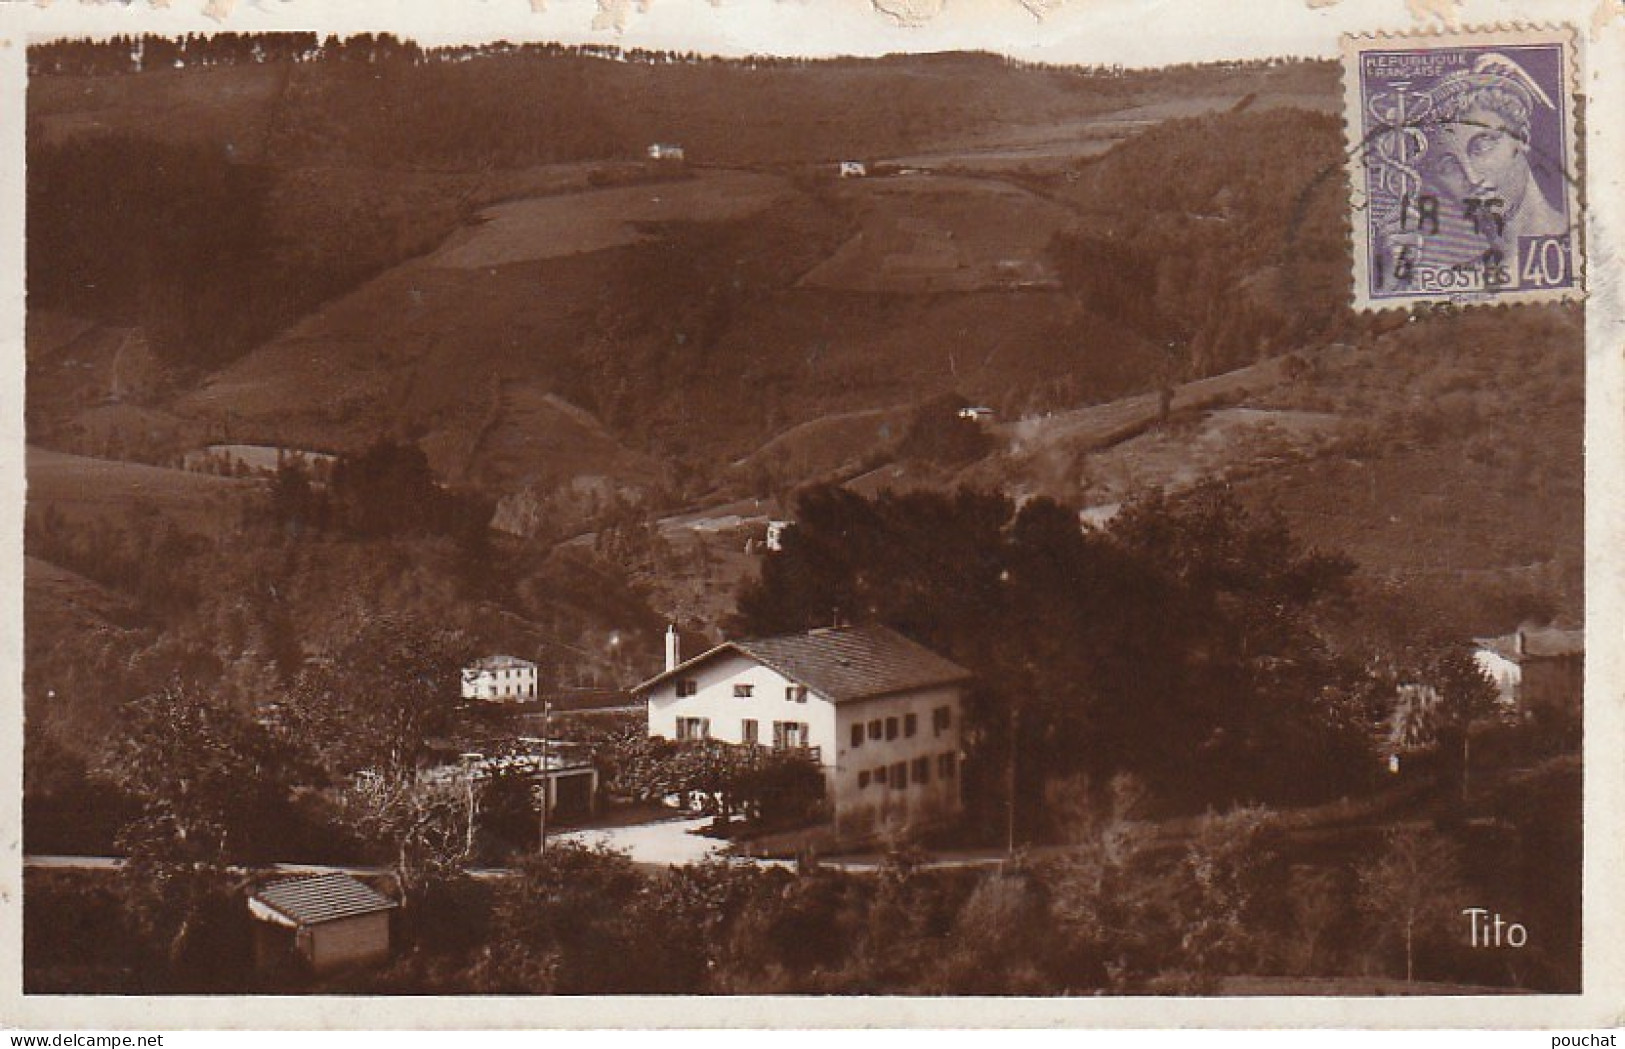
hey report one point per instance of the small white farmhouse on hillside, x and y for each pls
(501, 679)
(880, 713)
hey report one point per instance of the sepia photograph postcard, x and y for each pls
(813, 513)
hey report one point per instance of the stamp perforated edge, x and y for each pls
(1350, 45)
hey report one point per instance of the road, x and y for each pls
(110, 863)
(674, 841)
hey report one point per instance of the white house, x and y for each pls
(500, 679)
(977, 413)
(1535, 668)
(853, 169)
(775, 534)
(665, 151)
(880, 713)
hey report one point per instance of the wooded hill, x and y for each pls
(470, 252)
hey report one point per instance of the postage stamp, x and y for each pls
(1463, 168)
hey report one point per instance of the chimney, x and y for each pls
(674, 651)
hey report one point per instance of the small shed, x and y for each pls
(321, 923)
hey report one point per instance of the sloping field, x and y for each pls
(1082, 430)
(538, 438)
(1054, 147)
(73, 364)
(82, 488)
(112, 428)
(1215, 445)
(900, 479)
(57, 601)
(572, 224)
(821, 446)
(922, 233)
(89, 386)
(222, 104)
(419, 345)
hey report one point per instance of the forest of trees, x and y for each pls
(131, 54)
(1180, 645)
(1220, 267)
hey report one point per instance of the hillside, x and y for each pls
(90, 491)
(381, 261)
(1445, 457)
(514, 109)
(485, 265)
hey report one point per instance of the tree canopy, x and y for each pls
(1182, 643)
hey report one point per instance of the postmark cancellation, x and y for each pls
(1462, 163)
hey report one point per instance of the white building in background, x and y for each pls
(878, 712)
(775, 534)
(1535, 668)
(853, 169)
(500, 679)
(664, 151)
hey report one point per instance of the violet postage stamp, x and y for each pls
(1462, 165)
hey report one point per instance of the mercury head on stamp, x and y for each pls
(1479, 147)
(1462, 163)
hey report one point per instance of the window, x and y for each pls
(922, 770)
(941, 720)
(693, 728)
(787, 734)
(747, 731)
(863, 779)
(899, 776)
(880, 774)
(744, 691)
(795, 693)
(687, 686)
(911, 724)
(857, 734)
(945, 766)
(891, 728)
(874, 729)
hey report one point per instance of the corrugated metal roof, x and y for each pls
(842, 663)
(322, 898)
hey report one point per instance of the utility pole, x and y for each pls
(547, 776)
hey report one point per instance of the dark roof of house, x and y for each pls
(322, 898)
(840, 663)
(1542, 643)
